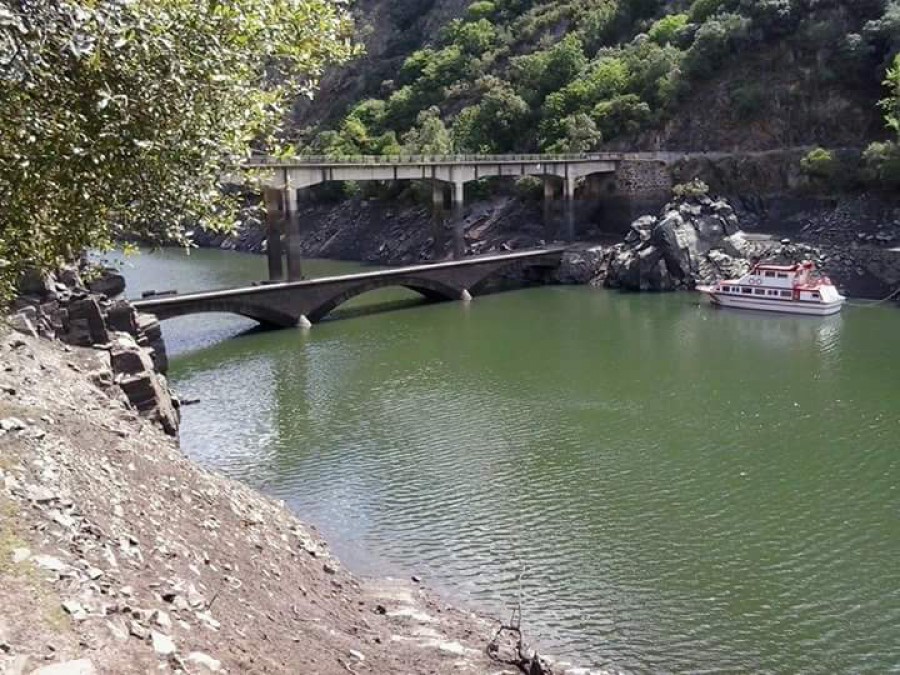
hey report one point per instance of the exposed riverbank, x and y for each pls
(120, 553)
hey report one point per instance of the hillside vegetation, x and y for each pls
(575, 75)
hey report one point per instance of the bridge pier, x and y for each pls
(569, 206)
(550, 192)
(292, 234)
(459, 226)
(438, 235)
(272, 201)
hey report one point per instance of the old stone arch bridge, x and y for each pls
(305, 302)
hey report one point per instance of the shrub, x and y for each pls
(819, 163)
(666, 30)
(578, 134)
(472, 37)
(748, 99)
(484, 9)
(621, 115)
(881, 162)
(701, 10)
(598, 25)
(542, 72)
(716, 40)
(499, 123)
(693, 189)
(430, 136)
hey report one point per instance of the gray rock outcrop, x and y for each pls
(694, 240)
(64, 307)
(672, 251)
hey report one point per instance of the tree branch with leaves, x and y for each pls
(121, 118)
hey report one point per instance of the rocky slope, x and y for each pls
(118, 555)
(63, 307)
(391, 232)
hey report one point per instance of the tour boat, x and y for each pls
(796, 289)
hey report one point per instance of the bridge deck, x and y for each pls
(245, 291)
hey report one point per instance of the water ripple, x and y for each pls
(663, 488)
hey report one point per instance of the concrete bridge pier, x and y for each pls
(438, 218)
(292, 234)
(272, 201)
(459, 226)
(569, 207)
(550, 196)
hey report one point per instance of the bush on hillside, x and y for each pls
(819, 163)
(716, 40)
(693, 189)
(668, 29)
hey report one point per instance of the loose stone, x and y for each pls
(162, 644)
(78, 667)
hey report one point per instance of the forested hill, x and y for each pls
(575, 75)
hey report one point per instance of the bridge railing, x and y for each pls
(381, 160)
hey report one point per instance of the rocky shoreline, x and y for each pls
(94, 313)
(119, 555)
(850, 237)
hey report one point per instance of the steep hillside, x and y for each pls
(575, 75)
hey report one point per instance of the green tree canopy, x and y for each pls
(123, 117)
(429, 136)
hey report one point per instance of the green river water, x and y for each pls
(663, 486)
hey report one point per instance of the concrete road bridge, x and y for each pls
(282, 179)
(302, 303)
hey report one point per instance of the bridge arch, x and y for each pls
(430, 289)
(249, 310)
(493, 273)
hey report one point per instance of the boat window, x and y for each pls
(782, 275)
(773, 292)
(786, 294)
(726, 289)
(746, 291)
(770, 274)
(816, 296)
(759, 291)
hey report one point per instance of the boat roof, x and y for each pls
(780, 268)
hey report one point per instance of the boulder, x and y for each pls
(149, 394)
(640, 230)
(693, 240)
(581, 266)
(77, 667)
(122, 316)
(23, 321)
(110, 283)
(36, 283)
(69, 277)
(86, 323)
(130, 360)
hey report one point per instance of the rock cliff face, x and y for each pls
(94, 313)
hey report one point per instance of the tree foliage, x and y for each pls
(123, 117)
(629, 65)
(882, 160)
(429, 136)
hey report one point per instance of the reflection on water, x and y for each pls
(664, 486)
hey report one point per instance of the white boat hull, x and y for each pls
(775, 305)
